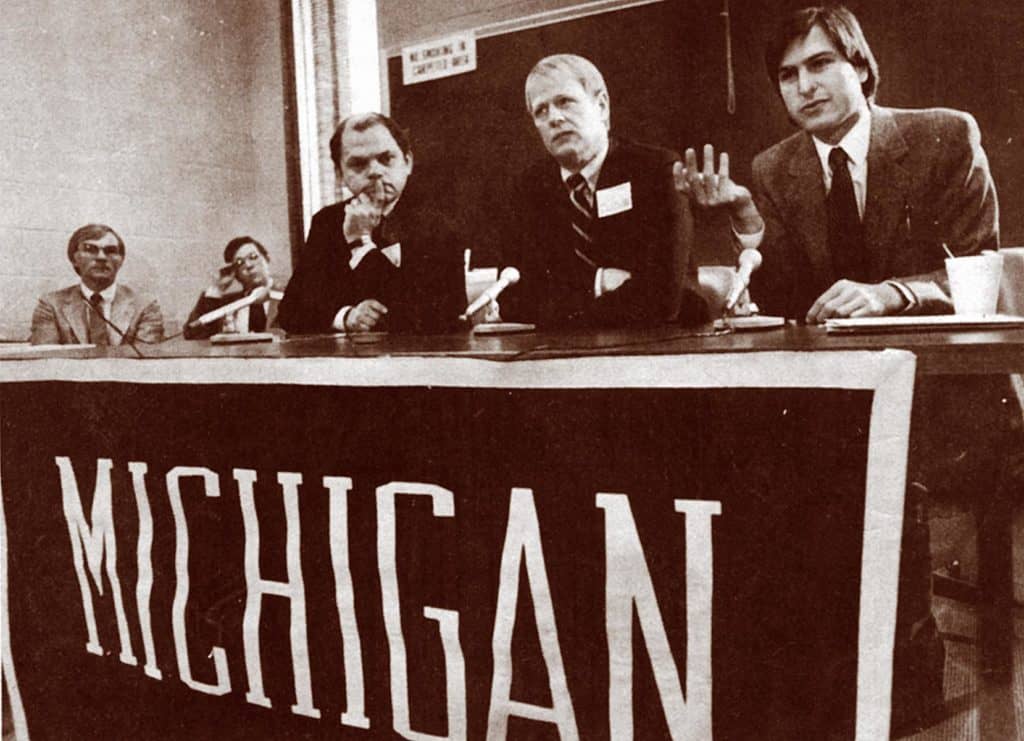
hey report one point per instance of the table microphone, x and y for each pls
(120, 332)
(749, 260)
(508, 277)
(262, 293)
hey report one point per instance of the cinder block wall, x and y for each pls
(162, 119)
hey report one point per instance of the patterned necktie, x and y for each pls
(845, 230)
(582, 208)
(97, 327)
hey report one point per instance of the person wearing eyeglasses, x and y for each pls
(246, 267)
(98, 310)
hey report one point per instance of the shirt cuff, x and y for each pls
(598, 274)
(908, 295)
(748, 241)
(339, 319)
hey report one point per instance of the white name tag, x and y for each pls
(614, 200)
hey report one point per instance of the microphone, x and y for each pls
(750, 260)
(120, 332)
(508, 277)
(262, 293)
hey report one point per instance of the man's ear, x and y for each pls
(408, 160)
(605, 105)
(862, 74)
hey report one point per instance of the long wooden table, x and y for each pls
(637, 357)
(938, 352)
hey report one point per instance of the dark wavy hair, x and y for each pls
(363, 121)
(91, 231)
(237, 243)
(842, 29)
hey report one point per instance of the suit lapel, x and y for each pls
(888, 186)
(73, 309)
(121, 313)
(611, 167)
(805, 199)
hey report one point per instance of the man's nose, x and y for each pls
(804, 81)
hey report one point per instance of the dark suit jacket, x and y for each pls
(928, 183)
(60, 318)
(652, 241)
(206, 304)
(426, 294)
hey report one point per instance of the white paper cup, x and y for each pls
(974, 282)
(478, 280)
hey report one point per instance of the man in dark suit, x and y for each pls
(246, 264)
(98, 310)
(599, 235)
(380, 260)
(857, 207)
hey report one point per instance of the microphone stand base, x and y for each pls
(234, 338)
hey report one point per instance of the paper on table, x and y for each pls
(11, 349)
(923, 323)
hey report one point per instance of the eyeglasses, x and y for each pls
(250, 259)
(92, 250)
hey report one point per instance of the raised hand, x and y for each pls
(362, 213)
(710, 189)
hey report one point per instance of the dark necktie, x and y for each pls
(97, 327)
(257, 317)
(845, 231)
(582, 209)
(378, 235)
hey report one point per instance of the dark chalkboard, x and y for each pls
(665, 65)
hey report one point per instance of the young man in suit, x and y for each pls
(599, 235)
(852, 214)
(247, 262)
(906, 183)
(97, 310)
(380, 260)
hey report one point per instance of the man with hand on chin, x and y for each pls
(599, 235)
(380, 260)
(83, 313)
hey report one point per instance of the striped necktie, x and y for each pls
(582, 207)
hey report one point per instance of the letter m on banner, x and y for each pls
(94, 545)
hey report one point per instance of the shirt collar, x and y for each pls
(592, 170)
(855, 143)
(107, 293)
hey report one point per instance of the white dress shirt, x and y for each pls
(108, 294)
(855, 144)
